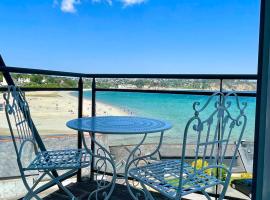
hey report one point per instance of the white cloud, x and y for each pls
(69, 5)
(132, 2)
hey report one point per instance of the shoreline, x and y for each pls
(51, 111)
(104, 108)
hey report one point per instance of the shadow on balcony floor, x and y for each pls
(82, 190)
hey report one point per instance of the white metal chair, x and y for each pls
(22, 132)
(212, 130)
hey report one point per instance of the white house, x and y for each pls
(3, 82)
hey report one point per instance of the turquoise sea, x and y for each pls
(175, 108)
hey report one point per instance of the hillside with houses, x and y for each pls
(26, 80)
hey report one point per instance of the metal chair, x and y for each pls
(22, 132)
(213, 131)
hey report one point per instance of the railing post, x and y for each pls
(80, 114)
(6, 75)
(93, 134)
(218, 145)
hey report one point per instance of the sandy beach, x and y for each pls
(51, 110)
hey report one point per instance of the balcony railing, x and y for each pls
(6, 70)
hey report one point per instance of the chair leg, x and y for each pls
(225, 187)
(31, 193)
(56, 180)
(147, 193)
(206, 195)
(222, 195)
(66, 190)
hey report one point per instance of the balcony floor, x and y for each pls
(82, 190)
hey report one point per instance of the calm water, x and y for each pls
(176, 109)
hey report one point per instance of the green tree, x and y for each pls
(36, 79)
(1, 77)
(139, 83)
(69, 83)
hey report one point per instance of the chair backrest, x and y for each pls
(19, 120)
(217, 128)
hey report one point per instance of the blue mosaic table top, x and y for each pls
(119, 125)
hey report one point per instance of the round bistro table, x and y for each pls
(121, 125)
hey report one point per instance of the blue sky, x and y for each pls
(131, 36)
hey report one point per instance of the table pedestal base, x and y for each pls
(134, 160)
(104, 161)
